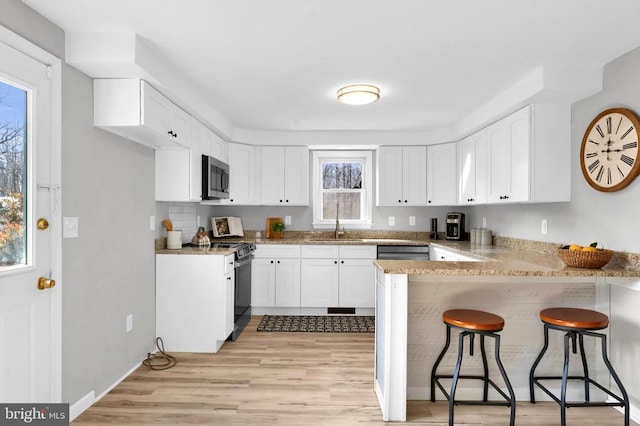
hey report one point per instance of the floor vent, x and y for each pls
(342, 311)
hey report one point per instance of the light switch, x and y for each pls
(392, 221)
(543, 227)
(70, 227)
(152, 223)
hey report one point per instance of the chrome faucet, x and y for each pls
(338, 231)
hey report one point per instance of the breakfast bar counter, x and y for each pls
(515, 284)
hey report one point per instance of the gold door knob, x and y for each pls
(42, 224)
(44, 283)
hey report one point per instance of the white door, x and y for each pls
(29, 318)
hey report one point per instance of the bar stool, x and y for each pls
(470, 323)
(576, 323)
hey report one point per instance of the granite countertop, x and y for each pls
(498, 261)
(507, 257)
(197, 251)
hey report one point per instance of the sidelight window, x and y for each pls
(13, 171)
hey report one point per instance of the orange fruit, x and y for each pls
(575, 247)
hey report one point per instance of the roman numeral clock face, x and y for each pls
(609, 152)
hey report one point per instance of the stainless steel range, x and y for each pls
(242, 289)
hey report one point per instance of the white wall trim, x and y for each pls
(81, 405)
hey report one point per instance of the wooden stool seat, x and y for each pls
(576, 324)
(469, 324)
(473, 320)
(584, 319)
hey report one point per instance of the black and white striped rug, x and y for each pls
(318, 323)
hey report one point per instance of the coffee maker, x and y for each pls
(455, 226)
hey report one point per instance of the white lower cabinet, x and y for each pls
(275, 276)
(357, 283)
(337, 276)
(194, 301)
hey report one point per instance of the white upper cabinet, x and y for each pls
(213, 145)
(133, 109)
(529, 155)
(442, 175)
(472, 169)
(508, 143)
(284, 175)
(242, 174)
(401, 176)
(179, 171)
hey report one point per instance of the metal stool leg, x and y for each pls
(456, 374)
(512, 395)
(437, 363)
(535, 364)
(565, 373)
(625, 397)
(485, 393)
(585, 368)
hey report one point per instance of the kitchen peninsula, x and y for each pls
(515, 284)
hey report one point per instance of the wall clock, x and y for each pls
(609, 151)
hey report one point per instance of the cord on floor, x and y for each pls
(160, 360)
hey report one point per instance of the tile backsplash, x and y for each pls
(184, 218)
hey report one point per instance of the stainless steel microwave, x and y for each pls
(215, 178)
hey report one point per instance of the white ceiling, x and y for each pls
(276, 65)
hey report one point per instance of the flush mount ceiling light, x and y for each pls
(358, 94)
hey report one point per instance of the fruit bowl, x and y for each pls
(585, 259)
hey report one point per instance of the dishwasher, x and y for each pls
(399, 252)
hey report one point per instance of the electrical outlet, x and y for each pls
(543, 227)
(287, 220)
(412, 221)
(392, 221)
(129, 322)
(152, 223)
(70, 227)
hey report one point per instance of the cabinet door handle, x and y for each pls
(429, 201)
(229, 278)
(272, 261)
(286, 201)
(335, 262)
(405, 201)
(399, 201)
(278, 261)
(342, 261)
(280, 200)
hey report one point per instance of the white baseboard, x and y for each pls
(81, 405)
(89, 399)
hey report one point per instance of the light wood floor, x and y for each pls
(290, 379)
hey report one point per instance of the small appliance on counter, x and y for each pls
(434, 229)
(455, 226)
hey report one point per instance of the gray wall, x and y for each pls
(108, 272)
(609, 218)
